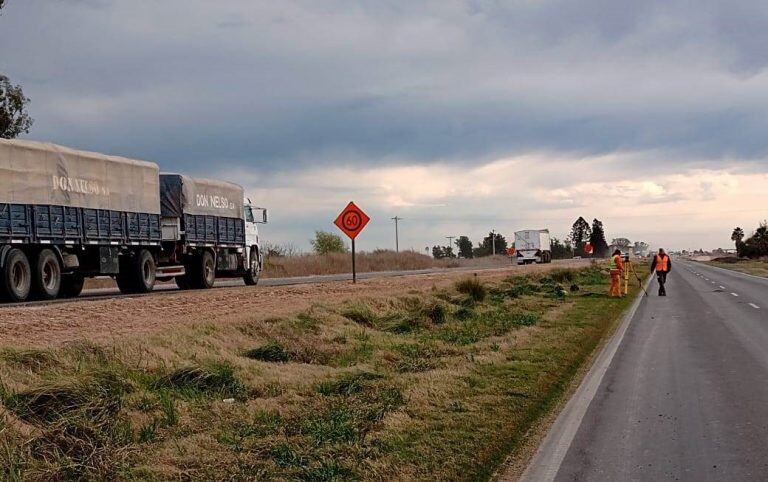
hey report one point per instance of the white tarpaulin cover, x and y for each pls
(202, 197)
(43, 173)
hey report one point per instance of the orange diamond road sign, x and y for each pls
(352, 220)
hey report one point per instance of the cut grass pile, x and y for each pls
(434, 385)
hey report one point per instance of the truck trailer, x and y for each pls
(533, 246)
(67, 215)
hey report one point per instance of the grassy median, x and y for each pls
(431, 385)
(755, 267)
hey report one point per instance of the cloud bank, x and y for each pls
(420, 107)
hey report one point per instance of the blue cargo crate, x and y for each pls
(14, 221)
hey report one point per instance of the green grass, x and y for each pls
(435, 385)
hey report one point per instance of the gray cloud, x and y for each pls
(284, 84)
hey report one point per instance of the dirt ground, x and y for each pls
(108, 319)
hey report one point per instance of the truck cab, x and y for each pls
(253, 216)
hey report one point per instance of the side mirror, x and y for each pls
(260, 219)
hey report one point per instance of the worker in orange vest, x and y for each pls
(662, 265)
(616, 271)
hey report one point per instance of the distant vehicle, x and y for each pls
(66, 215)
(533, 246)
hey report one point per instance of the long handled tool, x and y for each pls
(631, 268)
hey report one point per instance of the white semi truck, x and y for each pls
(533, 246)
(67, 215)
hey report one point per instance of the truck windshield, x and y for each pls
(249, 214)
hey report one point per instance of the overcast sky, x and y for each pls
(460, 116)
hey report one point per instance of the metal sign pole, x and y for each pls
(351, 221)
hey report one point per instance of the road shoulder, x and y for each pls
(546, 460)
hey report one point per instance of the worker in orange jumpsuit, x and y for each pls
(616, 271)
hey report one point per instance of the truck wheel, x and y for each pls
(16, 276)
(144, 270)
(125, 281)
(253, 274)
(137, 273)
(46, 276)
(203, 272)
(71, 285)
(182, 282)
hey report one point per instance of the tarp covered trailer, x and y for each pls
(50, 193)
(206, 218)
(66, 215)
(209, 211)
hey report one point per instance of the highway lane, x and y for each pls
(685, 395)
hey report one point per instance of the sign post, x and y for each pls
(351, 221)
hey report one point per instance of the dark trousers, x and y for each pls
(662, 277)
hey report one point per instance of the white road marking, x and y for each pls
(548, 458)
(754, 306)
(734, 294)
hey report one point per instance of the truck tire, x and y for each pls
(71, 285)
(16, 276)
(182, 282)
(203, 272)
(137, 273)
(145, 271)
(46, 276)
(253, 273)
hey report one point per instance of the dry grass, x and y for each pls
(755, 267)
(433, 384)
(334, 263)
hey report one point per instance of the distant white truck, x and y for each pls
(533, 246)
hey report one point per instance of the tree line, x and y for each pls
(14, 118)
(493, 243)
(754, 246)
(573, 245)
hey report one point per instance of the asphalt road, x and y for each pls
(684, 397)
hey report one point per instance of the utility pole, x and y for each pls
(493, 241)
(450, 241)
(397, 234)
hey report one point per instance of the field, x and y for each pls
(754, 267)
(380, 260)
(433, 377)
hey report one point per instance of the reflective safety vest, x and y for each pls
(662, 263)
(618, 262)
